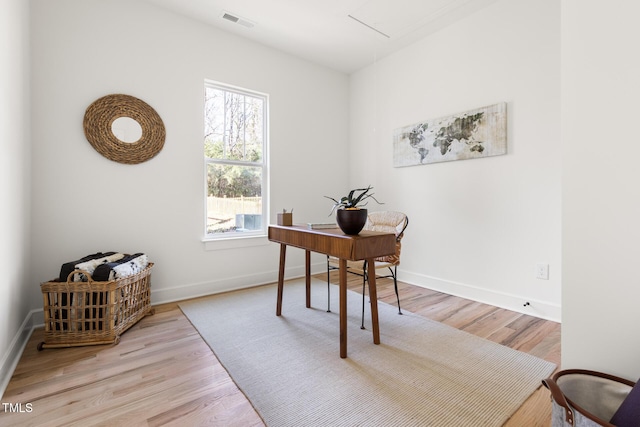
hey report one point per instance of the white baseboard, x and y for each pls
(11, 358)
(195, 290)
(542, 309)
(536, 308)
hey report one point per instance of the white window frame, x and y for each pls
(245, 238)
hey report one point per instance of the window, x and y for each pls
(235, 156)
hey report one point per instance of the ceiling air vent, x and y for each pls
(237, 20)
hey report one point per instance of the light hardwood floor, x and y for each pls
(163, 374)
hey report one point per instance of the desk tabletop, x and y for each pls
(333, 242)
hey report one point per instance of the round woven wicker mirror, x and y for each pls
(98, 122)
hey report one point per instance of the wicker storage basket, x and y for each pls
(92, 313)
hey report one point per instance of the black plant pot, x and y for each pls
(351, 221)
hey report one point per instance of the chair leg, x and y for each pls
(364, 281)
(394, 273)
(328, 288)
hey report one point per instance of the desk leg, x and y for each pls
(283, 254)
(307, 266)
(373, 296)
(343, 308)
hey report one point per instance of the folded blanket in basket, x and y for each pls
(90, 266)
(68, 267)
(127, 266)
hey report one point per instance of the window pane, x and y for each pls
(213, 122)
(234, 198)
(234, 126)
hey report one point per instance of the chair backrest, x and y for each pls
(389, 222)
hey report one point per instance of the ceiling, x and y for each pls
(344, 35)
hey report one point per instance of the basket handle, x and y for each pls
(559, 398)
(86, 274)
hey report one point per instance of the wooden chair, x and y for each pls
(385, 221)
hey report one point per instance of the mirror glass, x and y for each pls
(126, 129)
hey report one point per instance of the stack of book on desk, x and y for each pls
(321, 225)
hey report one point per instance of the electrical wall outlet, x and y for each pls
(542, 271)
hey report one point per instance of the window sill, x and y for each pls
(234, 243)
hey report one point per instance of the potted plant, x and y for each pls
(350, 215)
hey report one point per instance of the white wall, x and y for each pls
(477, 227)
(83, 202)
(601, 191)
(14, 183)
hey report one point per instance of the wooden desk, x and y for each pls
(333, 242)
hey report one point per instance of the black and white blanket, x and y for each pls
(104, 266)
(91, 265)
(68, 267)
(126, 266)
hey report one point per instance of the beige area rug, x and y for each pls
(423, 373)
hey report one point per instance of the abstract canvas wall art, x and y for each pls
(470, 135)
